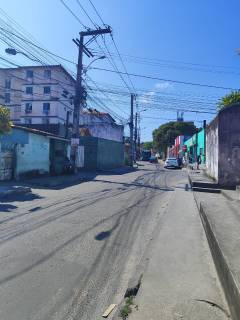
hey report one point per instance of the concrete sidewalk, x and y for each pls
(180, 281)
(221, 220)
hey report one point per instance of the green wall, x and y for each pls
(102, 154)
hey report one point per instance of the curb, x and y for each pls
(230, 287)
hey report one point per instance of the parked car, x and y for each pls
(171, 163)
(153, 159)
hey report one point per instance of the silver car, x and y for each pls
(171, 163)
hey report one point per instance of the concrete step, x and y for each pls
(205, 185)
(206, 189)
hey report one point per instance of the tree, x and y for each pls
(148, 145)
(165, 135)
(233, 97)
(5, 123)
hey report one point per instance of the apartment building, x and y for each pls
(37, 95)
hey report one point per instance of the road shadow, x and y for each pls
(103, 235)
(7, 207)
(20, 197)
(136, 184)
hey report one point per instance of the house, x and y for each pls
(38, 95)
(100, 125)
(101, 141)
(223, 146)
(26, 152)
(195, 146)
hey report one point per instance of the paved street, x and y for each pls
(69, 253)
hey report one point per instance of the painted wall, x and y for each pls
(200, 145)
(229, 146)
(107, 131)
(110, 154)
(32, 157)
(101, 153)
(212, 145)
(8, 140)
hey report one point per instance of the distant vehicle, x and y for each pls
(153, 159)
(146, 155)
(171, 163)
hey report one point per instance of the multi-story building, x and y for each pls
(37, 95)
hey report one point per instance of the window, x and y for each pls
(29, 74)
(8, 84)
(7, 97)
(46, 107)
(47, 74)
(28, 107)
(45, 120)
(46, 90)
(28, 120)
(29, 90)
(17, 109)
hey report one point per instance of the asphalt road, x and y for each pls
(69, 253)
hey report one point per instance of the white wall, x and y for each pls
(212, 149)
(107, 131)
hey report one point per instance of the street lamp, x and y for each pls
(14, 52)
(98, 58)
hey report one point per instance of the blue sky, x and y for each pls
(198, 32)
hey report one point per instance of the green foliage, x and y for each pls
(165, 135)
(126, 309)
(148, 145)
(5, 123)
(231, 98)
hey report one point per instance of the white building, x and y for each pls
(34, 94)
(101, 125)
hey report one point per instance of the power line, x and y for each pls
(97, 13)
(169, 80)
(81, 6)
(124, 67)
(157, 60)
(76, 17)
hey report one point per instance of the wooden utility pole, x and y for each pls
(131, 132)
(78, 99)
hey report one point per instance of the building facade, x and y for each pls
(223, 146)
(37, 94)
(26, 152)
(100, 125)
(194, 147)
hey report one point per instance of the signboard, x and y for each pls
(74, 142)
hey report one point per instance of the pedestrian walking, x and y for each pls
(199, 161)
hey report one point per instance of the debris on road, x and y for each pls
(108, 310)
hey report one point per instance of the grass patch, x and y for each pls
(127, 308)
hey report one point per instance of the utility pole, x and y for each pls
(131, 132)
(135, 136)
(78, 99)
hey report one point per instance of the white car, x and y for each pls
(171, 163)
